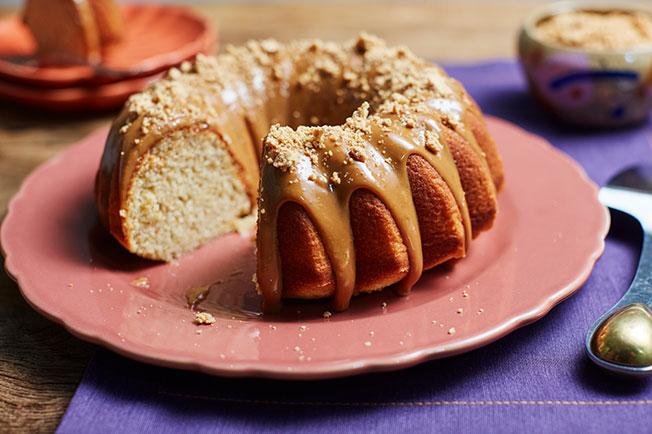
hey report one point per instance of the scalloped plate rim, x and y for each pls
(323, 370)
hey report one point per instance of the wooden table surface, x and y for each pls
(40, 363)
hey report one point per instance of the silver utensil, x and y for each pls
(621, 339)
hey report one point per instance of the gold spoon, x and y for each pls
(621, 339)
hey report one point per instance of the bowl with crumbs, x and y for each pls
(590, 64)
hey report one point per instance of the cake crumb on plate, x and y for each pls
(204, 318)
(141, 282)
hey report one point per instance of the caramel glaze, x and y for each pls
(384, 173)
(388, 143)
(415, 109)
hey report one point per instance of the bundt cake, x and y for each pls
(373, 165)
(72, 31)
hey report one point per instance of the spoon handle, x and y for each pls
(640, 291)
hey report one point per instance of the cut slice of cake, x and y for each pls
(73, 31)
(110, 23)
(65, 31)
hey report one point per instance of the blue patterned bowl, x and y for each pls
(590, 88)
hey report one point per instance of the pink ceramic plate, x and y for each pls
(548, 235)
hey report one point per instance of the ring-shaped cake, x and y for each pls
(367, 165)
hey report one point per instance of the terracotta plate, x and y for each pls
(103, 97)
(157, 37)
(548, 235)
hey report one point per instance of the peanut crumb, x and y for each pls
(141, 282)
(432, 142)
(597, 30)
(204, 318)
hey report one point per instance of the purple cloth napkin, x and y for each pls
(535, 379)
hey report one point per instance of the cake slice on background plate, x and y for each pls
(73, 31)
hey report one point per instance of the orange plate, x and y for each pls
(156, 38)
(104, 97)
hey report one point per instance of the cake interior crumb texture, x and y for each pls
(186, 191)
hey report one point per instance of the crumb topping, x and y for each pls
(597, 30)
(385, 80)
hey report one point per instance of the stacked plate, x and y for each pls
(156, 38)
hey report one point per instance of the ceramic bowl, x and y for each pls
(587, 87)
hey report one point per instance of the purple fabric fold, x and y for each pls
(537, 378)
